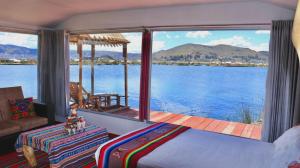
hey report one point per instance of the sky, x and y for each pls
(24, 40)
(257, 40)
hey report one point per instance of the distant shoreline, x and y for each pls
(164, 63)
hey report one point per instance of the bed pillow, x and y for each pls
(287, 149)
(21, 108)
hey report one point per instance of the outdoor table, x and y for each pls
(62, 148)
(105, 100)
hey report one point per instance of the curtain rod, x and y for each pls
(178, 28)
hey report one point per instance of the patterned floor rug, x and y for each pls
(12, 160)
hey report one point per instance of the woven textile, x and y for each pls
(126, 151)
(61, 147)
(21, 108)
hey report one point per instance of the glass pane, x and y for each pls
(206, 79)
(110, 75)
(18, 59)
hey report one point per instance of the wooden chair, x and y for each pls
(87, 98)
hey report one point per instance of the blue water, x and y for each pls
(216, 92)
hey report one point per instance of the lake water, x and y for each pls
(216, 92)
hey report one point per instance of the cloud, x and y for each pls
(135, 45)
(73, 47)
(168, 36)
(260, 47)
(240, 41)
(159, 33)
(158, 45)
(262, 32)
(24, 40)
(235, 41)
(155, 34)
(197, 34)
(162, 34)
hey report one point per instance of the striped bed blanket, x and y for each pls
(125, 152)
(63, 149)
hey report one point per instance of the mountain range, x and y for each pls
(182, 53)
(18, 52)
(204, 53)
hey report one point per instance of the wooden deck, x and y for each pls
(252, 131)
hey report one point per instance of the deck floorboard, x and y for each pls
(213, 125)
(252, 131)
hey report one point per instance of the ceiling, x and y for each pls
(50, 12)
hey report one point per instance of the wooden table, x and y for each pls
(61, 147)
(105, 100)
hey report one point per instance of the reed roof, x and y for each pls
(105, 39)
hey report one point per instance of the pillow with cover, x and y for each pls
(21, 108)
(287, 149)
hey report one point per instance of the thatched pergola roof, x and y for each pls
(106, 39)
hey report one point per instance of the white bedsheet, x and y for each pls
(201, 149)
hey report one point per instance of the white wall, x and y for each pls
(113, 124)
(19, 28)
(208, 14)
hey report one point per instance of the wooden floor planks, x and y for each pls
(252, 131)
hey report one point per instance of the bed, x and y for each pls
(201, 149)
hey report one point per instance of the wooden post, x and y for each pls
(125, 74)
(29, 155)
(92, 69)
(145, 79)
(79, 51)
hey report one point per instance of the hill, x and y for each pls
(186, 54)
(105, 54)
(203, 53)
(18, 52)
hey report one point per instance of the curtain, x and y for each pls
(283, 83)
(145, 76)
(53, 73)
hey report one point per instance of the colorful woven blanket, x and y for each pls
(62, 148)
(126, 151)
